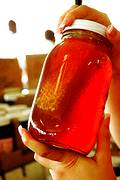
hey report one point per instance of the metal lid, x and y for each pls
(88, 25)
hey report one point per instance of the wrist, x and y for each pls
(58, 176)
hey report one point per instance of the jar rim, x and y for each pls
(87, 25)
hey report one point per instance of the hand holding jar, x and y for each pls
(69, 164)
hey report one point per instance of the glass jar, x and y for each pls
(70, 98)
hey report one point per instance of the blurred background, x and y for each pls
(33, 17)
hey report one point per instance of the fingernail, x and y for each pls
(111, 30)
(20, 130)
(60, 28)
(62, 25)
(22, 134)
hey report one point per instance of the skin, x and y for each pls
(81, 12)
(68, 165)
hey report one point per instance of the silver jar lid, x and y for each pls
(87, 25)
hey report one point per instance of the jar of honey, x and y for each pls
(70, 98)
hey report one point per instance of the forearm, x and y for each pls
(114, 107)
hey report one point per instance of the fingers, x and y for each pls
(63, 15)
(46, 155)
(103, 144)
(43, 150)
(82, 12)
(114, 36)
(43, 161)
(31, 143)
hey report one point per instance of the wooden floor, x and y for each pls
(34, 172)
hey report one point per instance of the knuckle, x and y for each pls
(85, 7)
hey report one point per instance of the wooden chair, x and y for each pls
(10, 73)
(34, 65)
(19, 157)
(26, 99)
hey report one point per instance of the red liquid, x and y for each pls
(70, 103)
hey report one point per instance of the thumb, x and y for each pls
(113, 35)
(103, 151)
